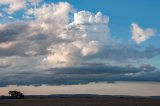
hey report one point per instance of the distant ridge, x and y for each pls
(82, 96)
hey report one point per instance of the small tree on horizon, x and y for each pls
(16, 95)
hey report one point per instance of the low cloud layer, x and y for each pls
(82, 75)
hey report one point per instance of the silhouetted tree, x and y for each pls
(16, 95)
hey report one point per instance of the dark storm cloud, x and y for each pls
(128, 52)
(7, 35)
(101, 70)
(19, 34)
(81, 75)
(10, 31)
(4, 66)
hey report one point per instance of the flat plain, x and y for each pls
(90, 101)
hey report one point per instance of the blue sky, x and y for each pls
(122, 13)
(71, 42)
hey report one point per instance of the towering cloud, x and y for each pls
(139, 35)
(76, 39)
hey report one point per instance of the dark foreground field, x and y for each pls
(83, 101)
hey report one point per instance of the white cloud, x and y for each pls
(68, 54)
(52, 18)
(87, 33)
(6, 45)
(84, 17)
(140, 35)
(35, 1)
(87, 48)
(61, 55)
(1, 14)
(14, 5)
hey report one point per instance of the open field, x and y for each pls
(79, 101)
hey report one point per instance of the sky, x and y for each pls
(97, 46)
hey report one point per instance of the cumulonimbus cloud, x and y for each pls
(52, 41)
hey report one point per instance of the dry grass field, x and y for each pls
(95, 101)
